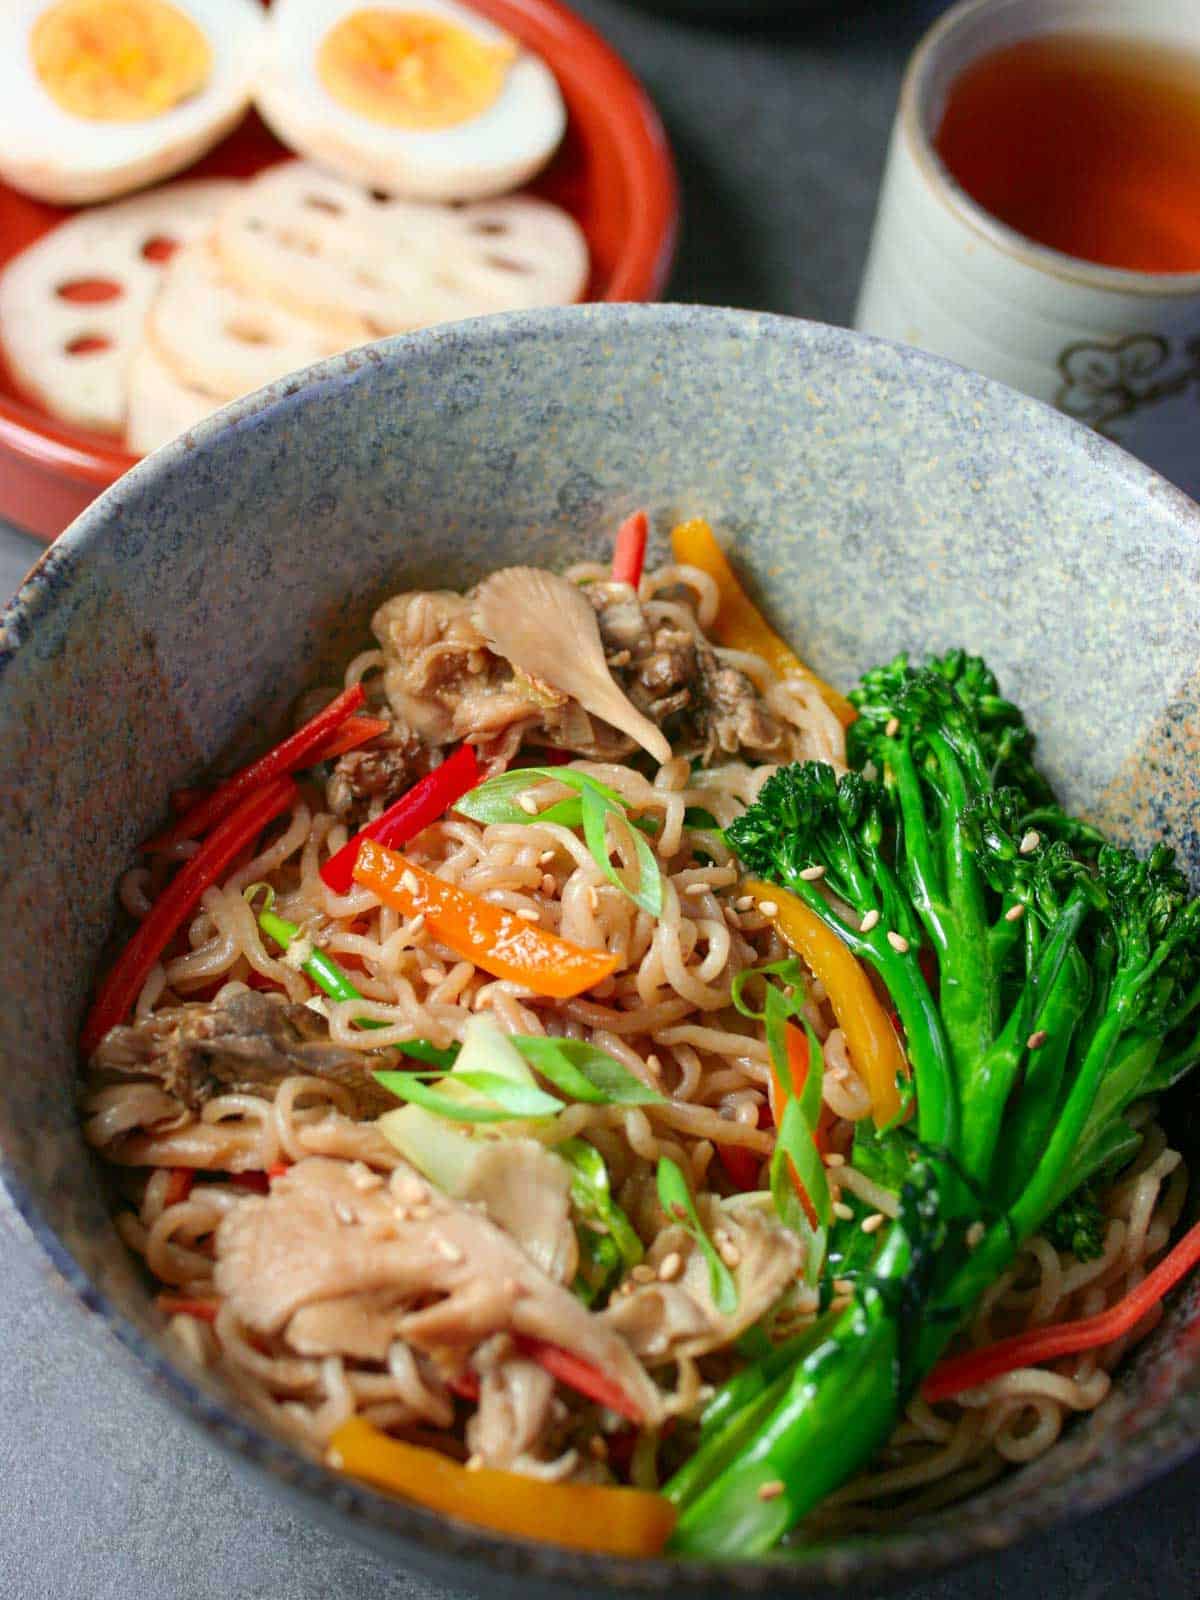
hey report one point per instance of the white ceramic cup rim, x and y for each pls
(943, 184)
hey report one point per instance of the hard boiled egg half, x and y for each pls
(103, 96)
(425, 99)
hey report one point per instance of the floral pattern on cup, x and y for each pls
(1105, 380)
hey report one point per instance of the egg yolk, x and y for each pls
(118, 60)
(409, 70)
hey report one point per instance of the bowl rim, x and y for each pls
(78, 456)
(444, 1543)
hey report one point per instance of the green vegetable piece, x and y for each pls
(585, 1072)
(497, 801)
(648, 894)
(591, 1195)
(504, 1101)
(1078, 1226)
(676, 1200)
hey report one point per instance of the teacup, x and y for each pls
(1117, 349)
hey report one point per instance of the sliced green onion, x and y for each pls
(591, 1194)
(508, 1101)
(795, 1139)
(648, 895)
(497, 801)
(585, 1072)
(676, 1200)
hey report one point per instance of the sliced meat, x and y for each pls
(440, 677)
(246, 1041)
(383, 771)
(444, 682)
(358, 1325)
(662, 1321)
(320, 1236)
(514, 1413)
(732, 717)
(528, 1192)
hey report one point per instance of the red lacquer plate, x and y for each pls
(613, 173)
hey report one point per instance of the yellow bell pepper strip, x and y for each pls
(870, 1037)
(739, 624)
(584, 1516)
(480, 932)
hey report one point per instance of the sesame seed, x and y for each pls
(842, 1211)
(549, 884)
(744, 902)
(654, 1064)
(1014, 913)
(1036, 1039)
(417, 925)
(771, 1490)
(670, 1266)
(892, 727)
(593, 899)
(1030, 842)
(527, 804)
(408, 880)
(768, 908)
(835, 1159)
(546, 857)
(897, 941)
(974, 1234)
(449, 1251)
(643, 1273)
(871, 920)
(527, 914)
(843, 1286)
(411, 1191)
(811, 874)
(729, 1253)
(697, 888)
(873, 1223)
(475, 1463)
(336, 1460)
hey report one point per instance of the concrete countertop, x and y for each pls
(780, 136)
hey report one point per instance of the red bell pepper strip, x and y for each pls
(742, 1166)
(425, 802)
(175, 1305)
(255, 1182)
(179, 1186)
(353, 732)
(120, 988)
(579, 1375)
(279, 1170)
(629, 552)
(295, 752)
(974, 1367)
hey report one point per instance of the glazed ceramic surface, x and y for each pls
(877, 498)
(1119, 350)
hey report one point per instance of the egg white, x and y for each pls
(54, 155)
(487, 155)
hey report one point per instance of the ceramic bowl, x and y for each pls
(877, 497)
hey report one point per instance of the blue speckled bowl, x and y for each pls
(879, 497)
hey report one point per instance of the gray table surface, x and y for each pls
(780, 136)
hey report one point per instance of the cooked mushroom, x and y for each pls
(545, 627)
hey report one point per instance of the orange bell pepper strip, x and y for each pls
(739, 624)
(870, 1037)
(584, 1516)
(480, 932)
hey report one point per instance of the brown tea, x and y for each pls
(1089, 145)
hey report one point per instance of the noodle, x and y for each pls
(666, 1015)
